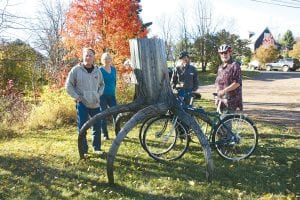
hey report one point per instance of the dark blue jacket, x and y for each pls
(186, 77)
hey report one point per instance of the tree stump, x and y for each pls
(155, 97)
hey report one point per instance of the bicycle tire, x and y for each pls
(163, 141)
(142, 130)
(235, 137)
(203, 121)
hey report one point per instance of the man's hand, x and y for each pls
(221, 93)
(79, 99)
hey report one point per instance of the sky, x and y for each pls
(239, 16)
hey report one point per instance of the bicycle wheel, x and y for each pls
(165, 139)
(235, 137)
(143, 128)
(203, 121)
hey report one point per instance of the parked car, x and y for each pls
(254, 64)
(285, 64)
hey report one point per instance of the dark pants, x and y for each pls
(106, 101)
(83, 115)
(186, 94)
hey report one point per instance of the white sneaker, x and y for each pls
(105, 138)
(98, 152)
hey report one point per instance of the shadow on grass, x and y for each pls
(273, 168)
(268, 170)
(43, 181)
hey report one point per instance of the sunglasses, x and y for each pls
(225, 52)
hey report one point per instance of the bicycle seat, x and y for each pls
(196, 95)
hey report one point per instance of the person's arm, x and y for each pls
(71, 85)
(174, 79)
(216, 82)
(195, 79)
(231, 87)
(101, 84)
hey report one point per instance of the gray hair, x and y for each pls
(105, 56)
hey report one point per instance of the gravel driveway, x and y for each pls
(272, 97)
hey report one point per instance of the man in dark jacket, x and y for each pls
(185, 77)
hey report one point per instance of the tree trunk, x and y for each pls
(155, 98)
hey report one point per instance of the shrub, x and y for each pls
(125, 92)
(55, 109)
(13, 107)
(8, 132)
(13, 110)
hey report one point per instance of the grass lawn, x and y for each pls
(207, 78)
(44, 165)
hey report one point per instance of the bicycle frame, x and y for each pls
(225, 134)
(214, 121)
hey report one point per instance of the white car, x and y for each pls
(254, 64)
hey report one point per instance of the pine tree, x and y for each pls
(288, 40)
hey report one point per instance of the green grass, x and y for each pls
(44, 165)
(207, 78)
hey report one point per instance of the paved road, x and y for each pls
(272, 97)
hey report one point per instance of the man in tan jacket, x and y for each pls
(85, 84)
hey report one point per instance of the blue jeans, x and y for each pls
(106, 101)
(83, 114)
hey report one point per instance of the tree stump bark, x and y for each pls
(155, 97)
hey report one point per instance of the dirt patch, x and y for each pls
(271, 97)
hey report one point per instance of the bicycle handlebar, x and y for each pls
(194, 94)
(219, 100)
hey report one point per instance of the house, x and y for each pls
(265, 38)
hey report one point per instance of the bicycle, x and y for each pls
(235, 136)
(193, 96)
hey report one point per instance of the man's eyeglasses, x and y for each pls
(225, 52)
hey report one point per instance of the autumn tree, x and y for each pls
(295, 53)
(105, 25)
(266, 53)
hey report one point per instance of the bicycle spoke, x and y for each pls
(165, 139)
(236, 138)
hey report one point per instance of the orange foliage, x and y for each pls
(104, 25)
